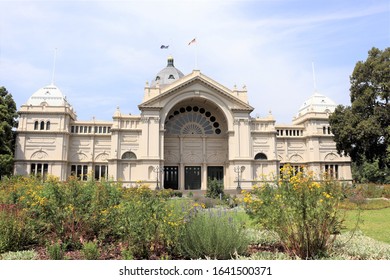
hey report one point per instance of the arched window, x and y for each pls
(260, 156)
(36, 125)
(48, 125)
(42, 127)
(193, 121)
(324, 130)
(129, 156)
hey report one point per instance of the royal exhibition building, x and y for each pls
(190, 129)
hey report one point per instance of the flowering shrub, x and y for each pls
(303, 212)
(149, 225)
(15, 230)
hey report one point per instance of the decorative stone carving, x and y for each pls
(39, 155)
(192, 157)
(330, 157)
(216, 157)
(296, 158)
(102, 157)
(171, 157)
(79, 156)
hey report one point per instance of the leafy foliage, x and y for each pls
(90, 251)
(362, 130)
(15, 231)
(7, 134)
(302, 211)
(214, 188)
(20, 255)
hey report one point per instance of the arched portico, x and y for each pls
(195, 144)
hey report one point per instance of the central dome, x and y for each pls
(168, 75)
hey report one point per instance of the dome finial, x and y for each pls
(170, 61)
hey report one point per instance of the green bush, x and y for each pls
(360, 247)
(149, 223)
(90, 251)
(20, 255)
(212, 234)
(303, 212)
(16, 232)
(55, 251)
(386, 191)
(214, 189)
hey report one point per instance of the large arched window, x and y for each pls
(129, 156)
(192, 120)
(42, 127)
(260, 156)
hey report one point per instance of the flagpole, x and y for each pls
(196, 56)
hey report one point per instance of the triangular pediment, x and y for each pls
(199, 84)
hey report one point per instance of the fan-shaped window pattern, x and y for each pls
(129, 156)
(192, 120)
(260, 156)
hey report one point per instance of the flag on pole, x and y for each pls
(193, 41)
(164, 47)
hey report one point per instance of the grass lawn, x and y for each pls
(374, 223)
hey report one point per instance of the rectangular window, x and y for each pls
(32, 172)
(39, 169)
(89, 129)
(45, 170)
(101, 171)
(85, 172)
(78, 171)
(73, 170)
(81, 171)
(97, 172)
(332, 170)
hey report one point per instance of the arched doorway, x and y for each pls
(195, 144)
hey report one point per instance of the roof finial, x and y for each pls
(54, 66)
(170, 61)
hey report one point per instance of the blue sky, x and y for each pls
(107, 50)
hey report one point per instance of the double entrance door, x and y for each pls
(192, 176)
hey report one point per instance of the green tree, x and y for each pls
(362, 130)
(8, 122)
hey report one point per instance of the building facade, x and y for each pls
(190, 129)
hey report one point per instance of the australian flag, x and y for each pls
(164, 47)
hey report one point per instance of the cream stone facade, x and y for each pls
(190, 128)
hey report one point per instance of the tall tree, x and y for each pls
(8, 122)
(362, 130)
